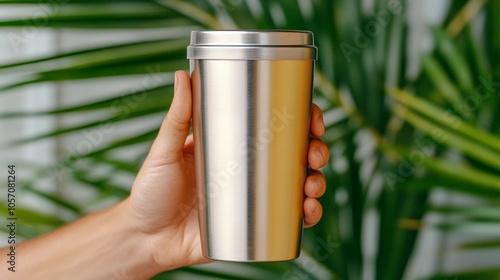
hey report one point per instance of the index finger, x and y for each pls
(317, 124)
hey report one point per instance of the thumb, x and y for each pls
(168, 145)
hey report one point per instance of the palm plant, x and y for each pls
(395, 138)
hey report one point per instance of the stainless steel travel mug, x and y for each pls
(251, 113)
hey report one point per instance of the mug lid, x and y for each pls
(252, 45)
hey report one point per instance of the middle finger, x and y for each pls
(318, 154)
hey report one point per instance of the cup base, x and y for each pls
(251, 260)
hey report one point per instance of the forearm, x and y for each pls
(102, 245)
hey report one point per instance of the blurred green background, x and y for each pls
(414, 180)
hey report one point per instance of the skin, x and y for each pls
(156, 228)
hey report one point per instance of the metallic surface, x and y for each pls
(251, 128)
(251, 45)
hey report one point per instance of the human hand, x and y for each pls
(163, 202)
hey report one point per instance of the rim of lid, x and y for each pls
(252, 45)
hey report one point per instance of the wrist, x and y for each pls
(168, 246)
(136, 244)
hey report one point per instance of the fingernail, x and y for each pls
(176, 81)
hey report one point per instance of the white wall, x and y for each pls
(34, 43)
